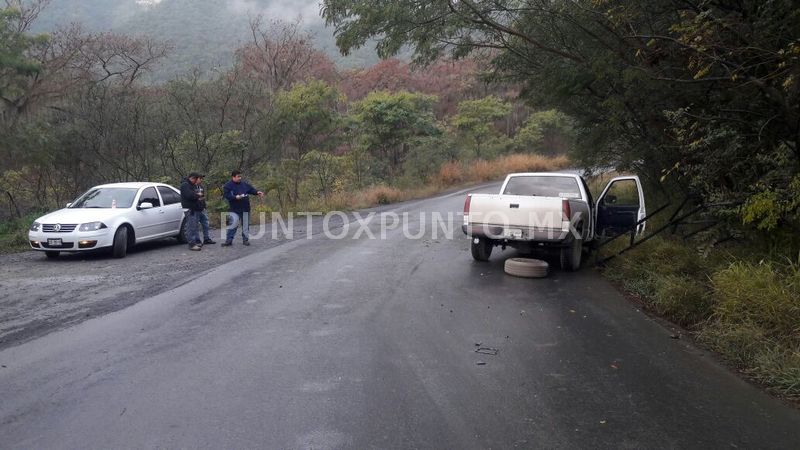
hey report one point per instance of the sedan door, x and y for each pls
(173, 212)
(148, 222)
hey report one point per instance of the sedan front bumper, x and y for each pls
(75, 241)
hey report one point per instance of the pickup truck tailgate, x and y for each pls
(516, 211)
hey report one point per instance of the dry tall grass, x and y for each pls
(479, 171)
(450, 174)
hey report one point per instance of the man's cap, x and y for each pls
(196, 175)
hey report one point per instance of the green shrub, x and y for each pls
(761, 295)
(772, 362)
(14, 233)
(682, 298)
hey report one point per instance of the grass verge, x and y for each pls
(745, 309)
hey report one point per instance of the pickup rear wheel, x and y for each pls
(571, 256)
(481, 249)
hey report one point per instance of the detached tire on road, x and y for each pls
(120, 247)
(482, 249)
(526, 267)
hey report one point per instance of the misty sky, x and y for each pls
(279, 9)
(288, 10)
(221, 25)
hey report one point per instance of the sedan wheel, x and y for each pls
(181, 236)
(120, 248)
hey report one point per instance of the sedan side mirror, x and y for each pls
(611, 199)
(69, 204)
(145, 205)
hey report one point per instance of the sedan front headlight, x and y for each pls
(36, 226)
(92, 226)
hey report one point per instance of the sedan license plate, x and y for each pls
(514, 233)
(54, 242)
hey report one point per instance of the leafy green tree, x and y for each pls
(308, 118)
(387, 121)
(427, 154)
(545, 132)
(16, 65)
(325, 170)
(475, 124)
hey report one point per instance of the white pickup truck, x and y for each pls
(553, 210)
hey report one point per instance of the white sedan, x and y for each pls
(114, 216)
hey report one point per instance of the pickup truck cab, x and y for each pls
(547, 209)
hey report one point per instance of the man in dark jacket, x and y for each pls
(194, 201)
(203, 217)
(237, 192)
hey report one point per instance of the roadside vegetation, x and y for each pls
(734, 289)
(732, 298)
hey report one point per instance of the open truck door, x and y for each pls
(620, 207)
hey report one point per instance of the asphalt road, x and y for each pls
(371, 343)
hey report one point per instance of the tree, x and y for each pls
(16, 66)
(325, 170)
(475, 121)
(308, 118)
(545, 132)
(281, 54)
(387, 121)
(426, 156)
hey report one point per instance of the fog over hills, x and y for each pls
(203, 33)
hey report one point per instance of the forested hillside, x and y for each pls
(79, 109)
(201, 33)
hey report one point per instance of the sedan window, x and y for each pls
(106, 198)
(149, 195)
(169, 195)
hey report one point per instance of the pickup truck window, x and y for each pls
(564, 187)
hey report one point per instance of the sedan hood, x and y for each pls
(81, 215)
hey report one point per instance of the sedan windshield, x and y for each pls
(106, 198)
(564, 187)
